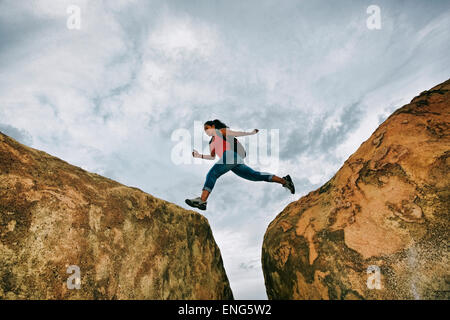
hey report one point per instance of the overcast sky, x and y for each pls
(108, 96)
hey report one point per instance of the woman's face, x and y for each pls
(210, 130)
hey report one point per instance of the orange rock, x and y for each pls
(126, 243)
(386, 209)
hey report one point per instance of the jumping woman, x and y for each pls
(223, 144)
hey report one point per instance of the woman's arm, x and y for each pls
(195, 154)
(207, 157)
(229, 132)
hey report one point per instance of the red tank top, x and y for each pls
(219, 145)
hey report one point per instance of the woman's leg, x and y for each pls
(278, 179)
(205, 194)
(248, 173)
(214, 173)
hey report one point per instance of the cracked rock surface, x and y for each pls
(386, 209)
(126, 243)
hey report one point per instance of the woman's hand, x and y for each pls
(255, 131)
(195, 154)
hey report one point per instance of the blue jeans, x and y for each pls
(232, 161)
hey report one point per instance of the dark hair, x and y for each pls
(217, 124)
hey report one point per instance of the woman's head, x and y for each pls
(212, 125)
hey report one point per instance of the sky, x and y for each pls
(111, 95)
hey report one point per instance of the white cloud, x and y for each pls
(176, 36)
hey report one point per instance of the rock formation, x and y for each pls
(57, 219)
(379, 228)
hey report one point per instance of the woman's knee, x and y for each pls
(215, 173)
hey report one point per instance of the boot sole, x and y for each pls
(192, 204)
(288, 178)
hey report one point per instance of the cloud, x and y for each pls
(19, 134)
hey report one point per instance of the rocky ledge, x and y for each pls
(66, 233)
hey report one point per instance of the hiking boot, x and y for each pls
(196, 203)
(289, 184)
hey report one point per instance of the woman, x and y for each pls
(229, 160)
